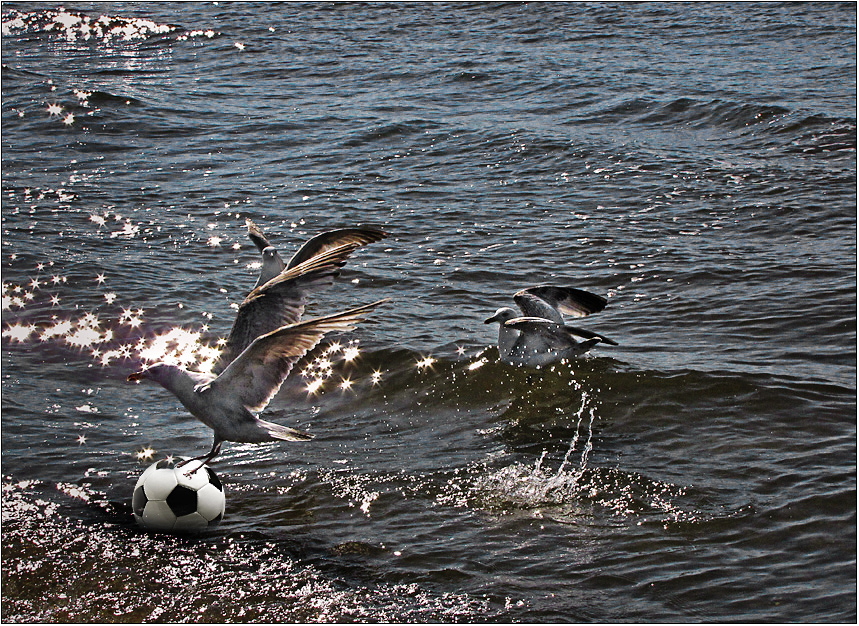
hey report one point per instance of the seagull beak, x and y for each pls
(135, 377)
(494, 318)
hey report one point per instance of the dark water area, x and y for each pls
(694, 163)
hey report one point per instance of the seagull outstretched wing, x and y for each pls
(272, 263)
(255, 376)
(537, 301)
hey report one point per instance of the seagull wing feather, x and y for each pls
(546, 334)
(533, 306)
(567, 300)
(334, 238)
(554, 335)
(255, 376)
(589, 334)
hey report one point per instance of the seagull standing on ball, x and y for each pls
(227, 402)
(539, 335)
(264, 344)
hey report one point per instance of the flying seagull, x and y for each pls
(265, 342)
(272, 263)
(540, 336)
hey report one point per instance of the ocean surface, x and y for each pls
(693, 163)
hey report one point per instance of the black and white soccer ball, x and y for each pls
(173, 499)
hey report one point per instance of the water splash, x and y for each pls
(564, 482)
(528, 486)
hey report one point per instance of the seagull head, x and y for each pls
(172, 377)
(501, 315)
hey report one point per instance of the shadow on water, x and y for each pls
(135, 576)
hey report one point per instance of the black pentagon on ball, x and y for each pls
(213, 478)
(182, 500)
(138, 501)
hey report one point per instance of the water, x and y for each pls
(696, 164)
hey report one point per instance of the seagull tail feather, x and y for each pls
(284, 433)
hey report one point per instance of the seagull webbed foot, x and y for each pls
(216, 448)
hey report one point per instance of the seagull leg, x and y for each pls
(216, 448)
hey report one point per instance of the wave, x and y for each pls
(459, 373)
(807, 133)
(393, 132)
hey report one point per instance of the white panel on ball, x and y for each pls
(210, 502)
(160, 483)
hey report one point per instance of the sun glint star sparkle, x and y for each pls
(425, 363)
(145, 454)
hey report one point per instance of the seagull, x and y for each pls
(540, 336)
(272, 263)
(228, 402)
(265, 342)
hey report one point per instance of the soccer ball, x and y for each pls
(170, 499)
